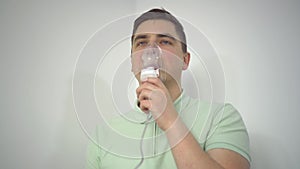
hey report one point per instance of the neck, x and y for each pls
(174, 90)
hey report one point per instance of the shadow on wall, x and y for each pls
(71, 140)
(69, 145)
(197, 82)
(266, 152)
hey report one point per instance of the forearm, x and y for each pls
(155, 97)
(186, 151)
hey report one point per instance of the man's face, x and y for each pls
(163, 34)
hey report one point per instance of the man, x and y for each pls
(199, 135)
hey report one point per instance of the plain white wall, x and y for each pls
(257, 42)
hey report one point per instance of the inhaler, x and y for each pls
(151, 62)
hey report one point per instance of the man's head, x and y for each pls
(161, 14)
(158, 27)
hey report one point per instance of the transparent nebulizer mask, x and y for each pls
(151, 62)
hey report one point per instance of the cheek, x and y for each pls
(172, 65)
(171, 61)
(136, 62)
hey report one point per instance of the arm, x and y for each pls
(189, 154)
(186, 151)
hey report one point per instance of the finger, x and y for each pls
(144, 95)
(145, 86)
(145, 106)
(155, 81)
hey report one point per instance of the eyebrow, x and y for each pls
(141, 36)
(166, 36)
(144, 36)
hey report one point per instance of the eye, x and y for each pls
(165, 42)
(141, 43)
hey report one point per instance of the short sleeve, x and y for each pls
(93, 154)
(229, 132)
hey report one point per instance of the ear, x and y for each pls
(186, 60)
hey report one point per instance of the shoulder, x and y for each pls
(229, 131)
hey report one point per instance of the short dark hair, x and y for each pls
(164, 15)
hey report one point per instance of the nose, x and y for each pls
(153, 44)
(154, 48)
(153, 41)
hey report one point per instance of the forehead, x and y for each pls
(157, 26)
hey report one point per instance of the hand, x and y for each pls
(154, 97)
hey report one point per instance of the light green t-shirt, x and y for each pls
(116, 144)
